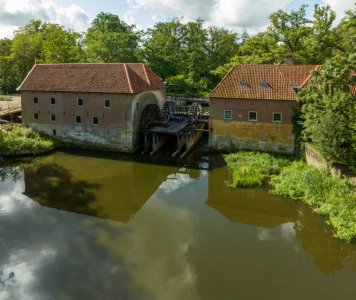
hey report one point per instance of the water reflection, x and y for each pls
(92, 186)
(295, 222)
(191, 236)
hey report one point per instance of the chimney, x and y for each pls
(289, 61)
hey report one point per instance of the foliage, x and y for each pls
(326, 100)
(245, 176)
(111, 40)
(333, 197)
(263, 163)
(19, 140)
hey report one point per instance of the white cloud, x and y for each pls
(340, 6)
(227, 13)
(15, 13)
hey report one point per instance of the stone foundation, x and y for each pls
(112, 138)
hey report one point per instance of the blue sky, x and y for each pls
(77, 14)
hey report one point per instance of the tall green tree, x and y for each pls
(329, 110)
(321, 42)
(162, 48)
(7, 74)
(60, 45)
(291, 29)
(111, 40)
(27, 47)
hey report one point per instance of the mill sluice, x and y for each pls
(184, 124)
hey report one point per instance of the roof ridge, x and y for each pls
(285, 78)
(128, 78)
(306, 80)
(145, 70)
(26, 77)
(233, 68)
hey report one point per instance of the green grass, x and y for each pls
(332, 197)
(18, 140)
(249, 168)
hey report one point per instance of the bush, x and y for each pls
(248, 168)
(332, 197)
(263, 163)
(18, 140)
(244, 176)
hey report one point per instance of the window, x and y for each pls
(53, 117)
(227, 114)
(53, 101)
(35, 116)
(296, 88)
(95, 120)
(252, 116)
(54, 132)
(107, 103)
(78, 119)
(35, 100)
(244, 83)
(80, 102)
(265, 84)
(277, 117)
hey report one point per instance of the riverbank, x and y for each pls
(16, 140)
(334, 198)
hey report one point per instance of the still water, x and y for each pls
(79, 227)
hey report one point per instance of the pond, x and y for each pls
(74, 226)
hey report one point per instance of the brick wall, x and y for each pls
(240, 133)
(66, 109)
(264, 108)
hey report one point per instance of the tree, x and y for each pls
(7, 76)
(291, 30)
(111, 40)
(259, 49)
(61, 45)
(321, 42)
(329, 110)
(26, 48)
(346, 33)
(162, 48)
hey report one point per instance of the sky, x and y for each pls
(78, 14)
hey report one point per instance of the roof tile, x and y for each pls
(280, 79)
(94, 78)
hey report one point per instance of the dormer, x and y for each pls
(244, 84)
(264, 84)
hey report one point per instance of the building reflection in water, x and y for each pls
(97, 187)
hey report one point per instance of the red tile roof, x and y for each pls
(119, 78)
(280, 79)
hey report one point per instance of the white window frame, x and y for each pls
(78, 102)
(248, 116)
(33, 100)
(55, 118)
(105, 103)
(76, 119)
(38, 116)
(274, 113)
(225, 111)
(92, 121)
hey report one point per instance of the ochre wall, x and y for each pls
(239, 133)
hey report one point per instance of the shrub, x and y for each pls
(19, 140)
(245, 176)
(263, 163)
(332, 197)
